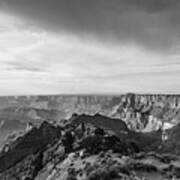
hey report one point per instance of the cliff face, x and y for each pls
(32, 142)
(140, 112)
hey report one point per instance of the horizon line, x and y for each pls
(90, 94)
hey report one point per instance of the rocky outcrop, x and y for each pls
(91, 148)
(106, 123)
(32, 142)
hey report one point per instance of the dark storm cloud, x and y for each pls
(150, 23)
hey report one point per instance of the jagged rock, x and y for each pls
(93, 153)
(103, 122)
(32, 142)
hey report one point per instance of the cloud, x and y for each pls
(152, 23)
(82, 46)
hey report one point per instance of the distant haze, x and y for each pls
(89, 46)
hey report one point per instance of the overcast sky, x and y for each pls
(89, 46)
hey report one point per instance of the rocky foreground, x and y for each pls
(91, 148)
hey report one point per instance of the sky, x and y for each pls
(89, 46)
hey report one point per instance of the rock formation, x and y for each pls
(91, 148)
